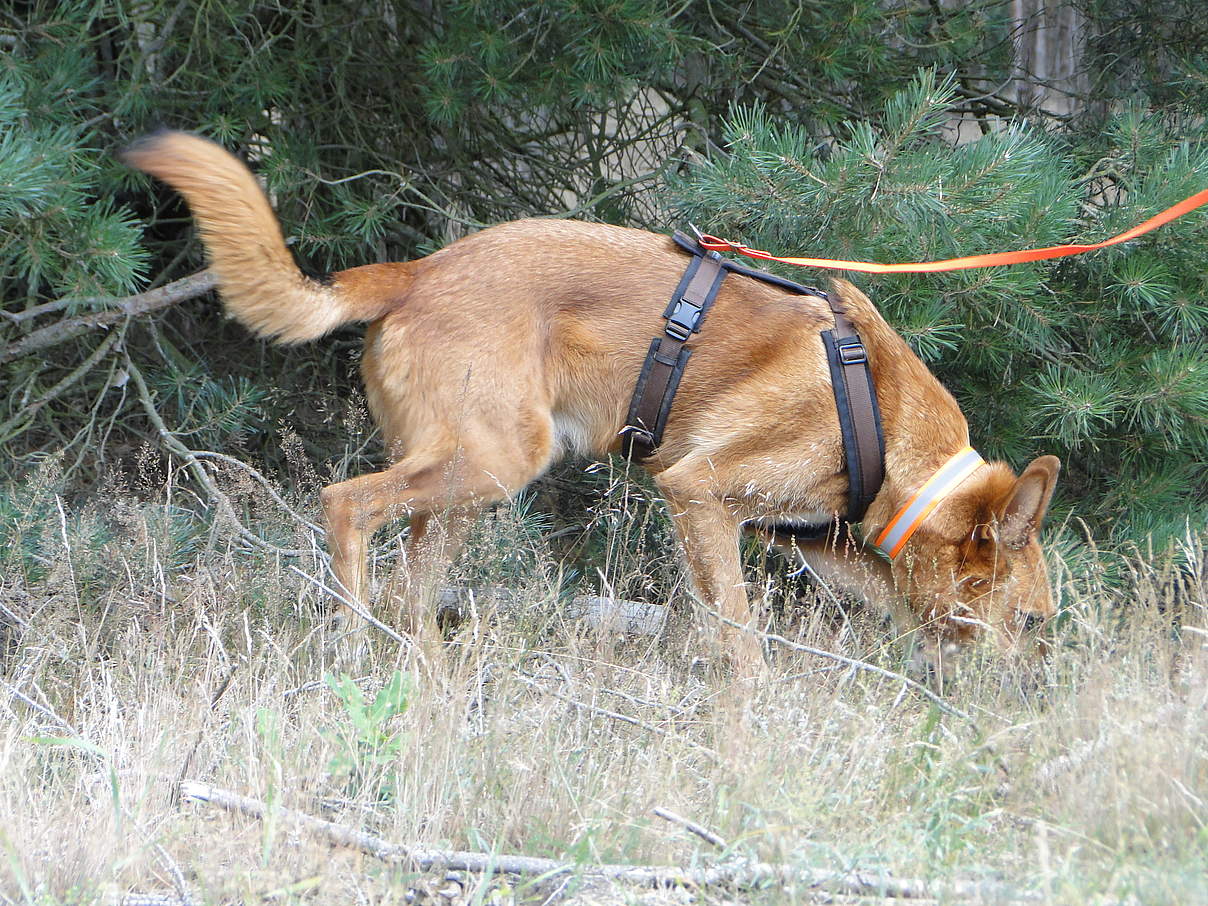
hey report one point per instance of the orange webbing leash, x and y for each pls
(713, 243)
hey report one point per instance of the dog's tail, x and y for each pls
(260, 283)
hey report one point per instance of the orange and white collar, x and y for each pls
(920, 505)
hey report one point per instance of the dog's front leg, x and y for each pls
(708, 533)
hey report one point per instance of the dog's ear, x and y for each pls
(1022, 513)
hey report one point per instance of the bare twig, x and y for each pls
(264, 482)
(27, 412)
(41, 709)
(743, 875)
(691, 826)
(19, 317)
(855, 664)
(131, 306)
(614, 189)
(623, 718)
(354, 606)
(217, 497)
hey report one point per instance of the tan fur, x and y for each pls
(490, 359)
(259, 280)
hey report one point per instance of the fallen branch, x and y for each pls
(149, 899)
(691, 826)
(131, 306)
(743, 875)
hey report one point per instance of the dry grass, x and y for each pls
(142, 645)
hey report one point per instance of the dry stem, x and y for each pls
(131, 306)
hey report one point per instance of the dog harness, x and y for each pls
(851, 379)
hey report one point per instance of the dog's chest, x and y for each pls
(572, 436)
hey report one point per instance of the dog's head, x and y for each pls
(974, 570)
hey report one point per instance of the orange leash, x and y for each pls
(956, 264)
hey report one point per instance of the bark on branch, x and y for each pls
(744, 874)
(129, 307)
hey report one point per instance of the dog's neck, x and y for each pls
(922, 423)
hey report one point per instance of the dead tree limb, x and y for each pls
(691, 826)
(28, 412)
(743, 875)
(131, 306)
(148, 899)
(217, 497)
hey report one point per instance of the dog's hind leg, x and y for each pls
(434, 542)
(447, 479)
(708, 532)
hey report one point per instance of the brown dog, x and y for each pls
(488, 360)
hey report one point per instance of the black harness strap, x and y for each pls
(855, 395)
(859, 414)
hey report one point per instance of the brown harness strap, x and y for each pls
(859, 414)
(851, 379)
(667, 357)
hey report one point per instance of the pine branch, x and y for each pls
(22, 417)
(129, 307)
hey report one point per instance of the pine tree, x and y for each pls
(385, 131)
(1099, 359)
(381, 132)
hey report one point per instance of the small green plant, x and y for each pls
(367, 750)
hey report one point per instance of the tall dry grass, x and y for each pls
(143, 643)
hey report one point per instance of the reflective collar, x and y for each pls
(912, 514)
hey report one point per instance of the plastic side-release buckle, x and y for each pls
(683, 320)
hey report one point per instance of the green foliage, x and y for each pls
(367, 749)
(56, 237)
(1155, 47)
(484, 56)
(208, 411)
(384, 132)
(1099, 359)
